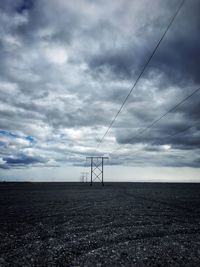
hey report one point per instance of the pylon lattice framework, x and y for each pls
(97, 170)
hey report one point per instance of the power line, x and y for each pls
(141, 73)
(185, 129)
(161, 117)
(177, 133)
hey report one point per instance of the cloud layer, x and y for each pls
(67, 66)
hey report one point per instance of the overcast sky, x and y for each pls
(66, 67)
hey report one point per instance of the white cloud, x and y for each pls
(166, 147)
(8, 87)
(56, 54)
(2, 161)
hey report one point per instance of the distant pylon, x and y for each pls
(84, 177)
(97, 170)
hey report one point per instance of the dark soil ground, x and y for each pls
(120, 224)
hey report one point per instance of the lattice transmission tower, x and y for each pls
(96, 169)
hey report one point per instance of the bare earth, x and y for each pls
(120, 224)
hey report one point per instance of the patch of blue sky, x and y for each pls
(31, 139)
(10, 134)
(2, 144)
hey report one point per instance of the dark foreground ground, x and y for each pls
(122, 224)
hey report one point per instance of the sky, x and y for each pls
(67, 66)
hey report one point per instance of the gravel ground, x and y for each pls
(120, 224)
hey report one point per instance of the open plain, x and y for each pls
(120, 224)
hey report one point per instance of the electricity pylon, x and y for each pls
(84, 177)
(97, 171)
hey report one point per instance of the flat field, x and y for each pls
(120, 224)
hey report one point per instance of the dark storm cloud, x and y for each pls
(22, 160)
(67, 66)
(170, 130)
(122, 63)
(177, 58)
(25, 5)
